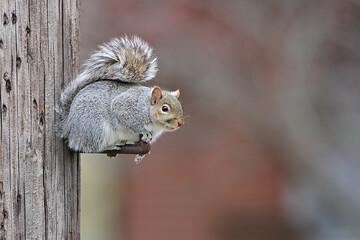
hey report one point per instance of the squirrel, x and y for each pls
(106, 106)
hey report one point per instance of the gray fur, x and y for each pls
(132, 108)
(96, 114)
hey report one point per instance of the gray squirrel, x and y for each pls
(106, 106)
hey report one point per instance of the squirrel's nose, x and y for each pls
(180, 122)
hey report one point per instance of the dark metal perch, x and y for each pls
(140, 148)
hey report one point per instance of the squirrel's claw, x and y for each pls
(138, 158)
(111, 155)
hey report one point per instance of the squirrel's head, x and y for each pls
(166, 109)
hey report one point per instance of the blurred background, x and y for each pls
(271, 144)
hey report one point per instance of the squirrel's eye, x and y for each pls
(164, 108)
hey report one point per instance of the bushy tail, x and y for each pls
(124, 59)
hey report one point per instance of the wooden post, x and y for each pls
(39, 177)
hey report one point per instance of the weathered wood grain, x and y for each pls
(39, 177)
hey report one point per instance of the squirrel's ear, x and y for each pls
(156, 95)
(176, 93)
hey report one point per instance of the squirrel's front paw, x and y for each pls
(146, 137)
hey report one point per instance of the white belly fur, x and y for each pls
(112, 138)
